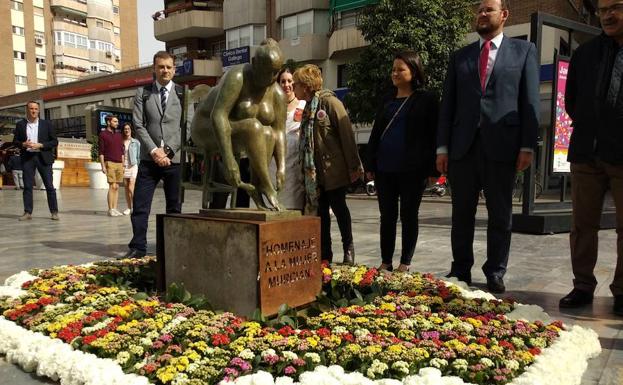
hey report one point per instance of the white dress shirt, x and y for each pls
(32, 133)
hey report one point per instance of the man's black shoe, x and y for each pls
(133, 253)
(496, 285)
(578, 298)
(618, 305)
(461, 277)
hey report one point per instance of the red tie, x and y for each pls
(484, 60)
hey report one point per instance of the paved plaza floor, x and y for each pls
(539, 270)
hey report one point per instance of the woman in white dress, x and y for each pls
(292, 194)
(130, 169)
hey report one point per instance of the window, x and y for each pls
(179, 53)
(40, 59)
(247, 35)
(19, 55)
(116, 31)
(99, 24)
(16, 5)
(37, 10)
(69, 39)
(304, 24)
(82, 42)
(115, 9)
(18, 30)
(92, 44)
(19, 79)
(348, 18)
(342, 76)
(93, 68)
(297, 25)
(58, 38)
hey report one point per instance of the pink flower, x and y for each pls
(289, 370)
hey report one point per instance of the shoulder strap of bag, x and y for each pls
(394, 117)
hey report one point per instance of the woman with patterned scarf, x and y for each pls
(329, 157)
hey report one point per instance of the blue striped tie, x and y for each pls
(163, 98)
(615, 80)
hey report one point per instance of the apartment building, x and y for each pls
(59, 41)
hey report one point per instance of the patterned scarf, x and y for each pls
(306, 155)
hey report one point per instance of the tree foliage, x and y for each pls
(433, 28)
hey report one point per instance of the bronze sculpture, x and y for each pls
(244, 114)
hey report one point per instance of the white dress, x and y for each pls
(292, 194)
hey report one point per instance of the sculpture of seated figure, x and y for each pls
(245, 114)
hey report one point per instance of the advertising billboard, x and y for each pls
(562, 121)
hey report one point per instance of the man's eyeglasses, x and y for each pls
(614, 8)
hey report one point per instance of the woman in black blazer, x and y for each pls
(401, 155)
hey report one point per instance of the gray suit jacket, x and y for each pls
(153, 127)
(505, 115)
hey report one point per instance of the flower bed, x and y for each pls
(367, 326)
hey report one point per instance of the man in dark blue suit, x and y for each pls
(37, 139)
(487, 132)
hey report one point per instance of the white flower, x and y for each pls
(290, 356)
(340, 330)
(123, 357)
(180, 379)
(401, 366)
(460, 364)
(511, 364)
(246, 354)
(313, 357)
(267, 353)
(438, 363)
(360, 333)
(487, 362)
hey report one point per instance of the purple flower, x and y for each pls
(432, 335)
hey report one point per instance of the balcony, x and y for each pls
(192, 22)
(345, 39)
(198, 64)
(71, 7)
(305, 48)
(290, 7)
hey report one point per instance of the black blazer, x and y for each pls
(422, 115)
(505, 115)
(594, 120)
(47, 137)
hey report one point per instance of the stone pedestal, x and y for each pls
(241, 264)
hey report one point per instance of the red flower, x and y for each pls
(483, 341)
(286, 331)
(323, 332)
(507, 345)
(535, 351)
(89, 339)
(220, 339)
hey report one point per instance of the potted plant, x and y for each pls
(97, 179)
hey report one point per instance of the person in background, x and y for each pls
(401, 155)
(594, 100)
(112, 160)
(487, 133)
(329, 156)
(36, 139)
(292, 194)
(132, 148)
(15, 165)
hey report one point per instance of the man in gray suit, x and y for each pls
(487, 133)
(157, 118)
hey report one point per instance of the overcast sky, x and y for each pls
(147, 43)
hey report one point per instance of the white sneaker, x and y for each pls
(114, 213)
(127, 212)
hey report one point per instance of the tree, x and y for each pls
(433, 28)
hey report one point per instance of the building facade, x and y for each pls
(59, 41)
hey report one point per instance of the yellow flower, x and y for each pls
(313, 341)
(354, 348)
(395, 349)
(374, 349)
(388, 307)
(166, 374)
(476, 323)
(455, 344)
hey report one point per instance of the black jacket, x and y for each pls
(47, 137)
(422, 114)
(597, 127)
